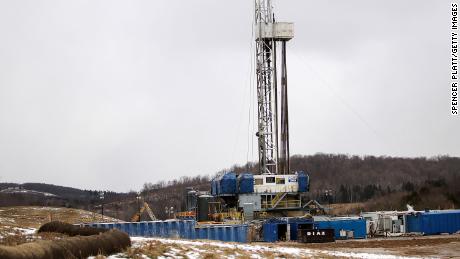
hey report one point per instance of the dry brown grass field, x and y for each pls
(18, 225)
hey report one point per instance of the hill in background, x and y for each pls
(378, 183)
(382, 183)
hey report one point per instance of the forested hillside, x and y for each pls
(380, 183)
(64, 196)
(423, 182)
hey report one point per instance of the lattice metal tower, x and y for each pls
(273, 141)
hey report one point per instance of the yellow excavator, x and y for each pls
(137, 216)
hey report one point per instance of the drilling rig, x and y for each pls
(275, 189)
(273, 141)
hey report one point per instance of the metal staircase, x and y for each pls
(278, 198)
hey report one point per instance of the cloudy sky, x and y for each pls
(112, 94)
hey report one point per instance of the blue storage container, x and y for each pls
(201, 233)
(180, 228)
(242, 233)
(358, 226)
(434, 222)
(246, 183)
(227, 184)
(214, 187)
(303, 180)
(218, 191)
(212, 233)
(294, 224)
(150, 229)
(220, 234)
(270, 229)
(231, 233)
(141, 228)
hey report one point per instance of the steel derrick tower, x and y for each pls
(273, 127)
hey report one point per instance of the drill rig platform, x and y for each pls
(274, 189)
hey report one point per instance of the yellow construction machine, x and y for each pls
(137, 216)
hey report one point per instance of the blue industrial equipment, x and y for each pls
(246, 183)
(303, 181)
(358, 226)
(227, 184)
(275, 187)
(434, 222)
(271, 229)
(214, 187)
(275, 229)
(296, 223)
(185, 229)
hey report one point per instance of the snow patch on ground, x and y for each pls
(11, 231)
(366, 255)
(26, 231)
(6, 220)
(193, 255)
(115, 256)
(45, 208)
(256, 251)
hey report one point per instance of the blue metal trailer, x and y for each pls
(434, 222)
(357, 225)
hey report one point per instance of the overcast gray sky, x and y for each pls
(112, 94)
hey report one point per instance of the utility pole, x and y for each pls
(101, 197)
(268, 33)
(138, 197)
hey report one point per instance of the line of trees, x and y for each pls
(379, 182)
